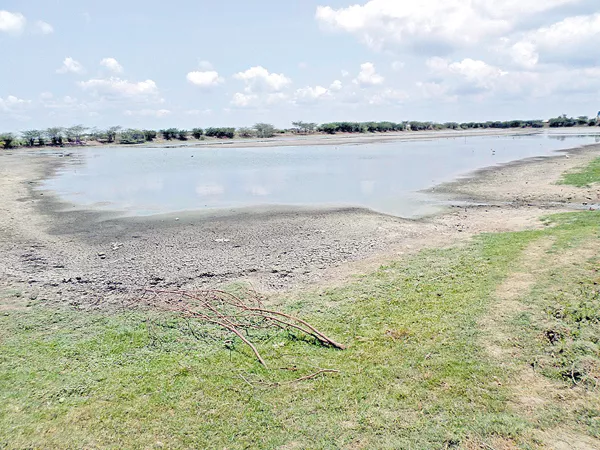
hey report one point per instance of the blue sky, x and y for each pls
(206, 63)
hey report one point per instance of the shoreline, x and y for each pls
(91, 258)
(299, 140)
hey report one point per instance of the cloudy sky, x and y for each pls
(235, 62)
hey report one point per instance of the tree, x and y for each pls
(131, 136)
(55, 135)
(111, 133)
(149, 135)
(245, 132)
(30, 136)
(197, 133)
(264, 130)
(182, 135)
(7, 140)
(169, 133)
(220, 132)
(75, 133)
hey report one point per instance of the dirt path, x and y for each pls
(531, 391)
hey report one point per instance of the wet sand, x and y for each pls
(54, 254)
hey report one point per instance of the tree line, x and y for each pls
(78, 134)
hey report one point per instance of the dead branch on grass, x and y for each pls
(234, 314)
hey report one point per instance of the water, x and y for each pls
(385, 177)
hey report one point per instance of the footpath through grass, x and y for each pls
(415, 374)
(585, 177)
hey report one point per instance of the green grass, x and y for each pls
(414, 374)
(585, 177)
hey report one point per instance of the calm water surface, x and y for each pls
(385, 177)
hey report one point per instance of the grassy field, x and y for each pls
(585, 177)
(418, 372)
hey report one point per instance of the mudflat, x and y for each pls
(56, 254)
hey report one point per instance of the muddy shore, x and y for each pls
(51, 254)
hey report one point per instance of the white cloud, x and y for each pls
(475, 72)
(205, 65)
(311, 94)
(12, 23)
(397, 66)
(116, 87)
(368, 76)
(244, 100)
(435, 91)
(572, 40)
(112, 64)
(148, 113)
(69, 65)
(336, 86)
(524, 54)
(42, 27)
(258, 79)
(11, 103)
(14, 108)
(205, 79)
(277, 97)
(345, 73)
(388, 97)
(431, 25)
(48, 101)
(199, 112)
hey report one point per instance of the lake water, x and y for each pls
(385, 177)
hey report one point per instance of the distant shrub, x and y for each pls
(220, 132)
(131, 136)
(150, 135)
(245, 132)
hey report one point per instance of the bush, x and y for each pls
(220, 132)
(245, 132)
(131, 136)
(7, 140)
(264, 130)
(149, 135)
(169, 133)
(197, 133)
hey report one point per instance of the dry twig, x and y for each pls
(234, 314)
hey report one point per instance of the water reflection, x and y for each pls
(385, 176)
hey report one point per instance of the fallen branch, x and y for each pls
(314, 375)
(235, 315)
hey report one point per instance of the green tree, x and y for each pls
(182, 135)
(220, 132)
(149, 135)
(7, 140)
(30, 137)
(197, 133)
(111, 133)
(75, 133)
(131, 136)
(169, 133)
(55, 135)
(245, 132)
(264, 130)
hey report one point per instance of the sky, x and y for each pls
(203, 63)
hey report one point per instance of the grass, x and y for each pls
(415, 374)
(585, 177)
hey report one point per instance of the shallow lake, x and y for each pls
(385, 177)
